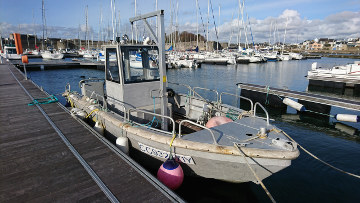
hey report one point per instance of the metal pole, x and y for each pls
(25, 72)
(161, 46)
(197, 23)
(207, 32)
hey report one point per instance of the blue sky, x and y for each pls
(65, 16)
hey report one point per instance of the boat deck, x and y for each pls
(61, 159)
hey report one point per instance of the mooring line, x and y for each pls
(317, 158)
(256, 176)
(86, 166)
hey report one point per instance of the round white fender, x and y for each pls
(123, 144)
(99, 128)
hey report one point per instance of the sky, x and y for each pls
(263, 20)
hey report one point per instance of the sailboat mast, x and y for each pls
(217, 44)
(197, 23)
(207, 31)
(86, 25)
(136, 34)
(43, 20)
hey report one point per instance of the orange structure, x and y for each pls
(18, 45)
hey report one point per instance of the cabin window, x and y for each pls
(112, 68)
(12, 51)
(140, 64)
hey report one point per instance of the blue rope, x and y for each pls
(149, 124)
(47, 100)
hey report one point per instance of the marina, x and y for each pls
(141, 102)
(331, 133)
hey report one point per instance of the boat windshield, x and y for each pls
(140, 64)
(112, 69)
(11, 51)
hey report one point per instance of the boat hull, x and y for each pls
(199, 159)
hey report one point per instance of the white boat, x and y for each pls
(52, 55)
(284, 57)
(271, 56)
(10, 53)
(349, 71)
(208, 138)
(296, 56)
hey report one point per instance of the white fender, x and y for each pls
(123, 144)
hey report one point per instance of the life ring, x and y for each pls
(217, 120)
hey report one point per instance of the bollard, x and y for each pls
(25, 61)
(25, 72)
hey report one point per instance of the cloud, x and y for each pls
(340, 25)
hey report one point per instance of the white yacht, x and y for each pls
(348, 71)
(10, 53)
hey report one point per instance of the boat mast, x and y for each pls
(86, 25)
(207, 32)
(43, 20)
(100, 33)
(239, 31)
(283, 47)
(217, 44)
(136, 34)
(197, 23)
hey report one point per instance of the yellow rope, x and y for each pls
(257, 177)
(317, 158)
(172, 140)
(91, 112)
(71, 103)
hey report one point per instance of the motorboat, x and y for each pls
(296, 56)
(348, 71)
(10, 53)
(51, 55)
(153, 118)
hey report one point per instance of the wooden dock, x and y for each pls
(304, 96)
(48, 156)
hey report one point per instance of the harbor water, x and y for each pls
(306, 180)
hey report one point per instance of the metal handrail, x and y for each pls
(179, 84)
(251, 102)
(217, 93)
(98, 95)
(90, 79)
(68, 84)
(267, 114)
(187, 121)
(154, 114)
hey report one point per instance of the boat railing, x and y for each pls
(179, 84)
(267, 114)
(193, 123)
(90, 80)
(104, 104)
(210, 90)
(67, 86)
(151, 113)
(251, 102)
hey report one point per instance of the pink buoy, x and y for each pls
(171, 174)
(217, 120)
